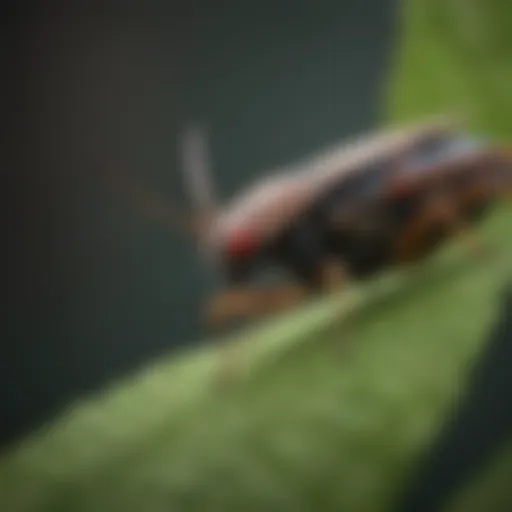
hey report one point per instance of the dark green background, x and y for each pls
(94, 290)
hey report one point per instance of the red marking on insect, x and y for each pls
(242, 243)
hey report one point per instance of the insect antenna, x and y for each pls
(196, 164)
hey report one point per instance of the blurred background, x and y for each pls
(93, 289)
(100, 301)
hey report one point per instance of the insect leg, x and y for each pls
(312, 260)
(333, 275)
(442, 211)
(234, 303)
(447, 210)
(225, 307)
(253, 302)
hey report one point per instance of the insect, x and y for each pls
(385, 199)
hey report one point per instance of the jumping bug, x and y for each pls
(389, 207)
(386, 199)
